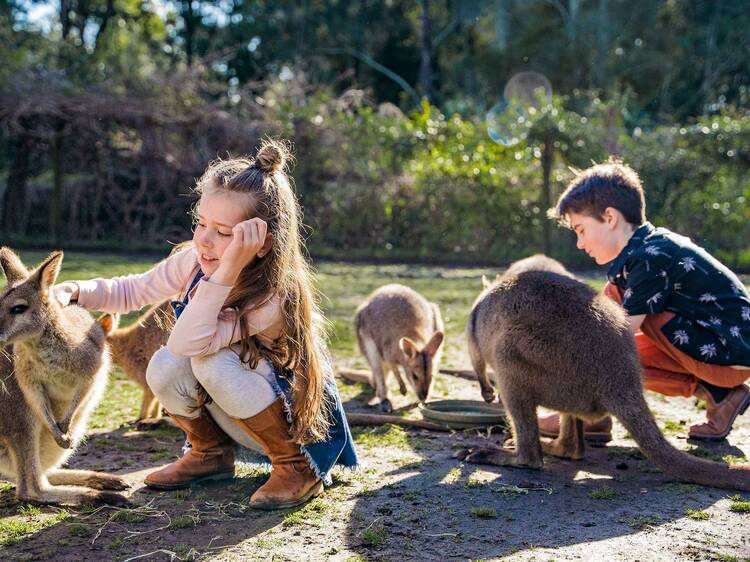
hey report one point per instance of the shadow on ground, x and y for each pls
(439, 508)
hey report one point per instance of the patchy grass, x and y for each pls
(603, 493)
(484, 512)
(674, 427)
(311, 514)
(679, 487)
(14, 529)
(78, 530)
(382, 436)
(718, 457)
(183, 522)
(698, 514)
(375, 534)
(641, 521)
(740, 507)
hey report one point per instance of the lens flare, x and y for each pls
(509, 120)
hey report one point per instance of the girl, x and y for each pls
(245, 361)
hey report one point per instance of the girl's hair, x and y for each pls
(283, 272)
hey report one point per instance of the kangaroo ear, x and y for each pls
(109, 323)
(408, 347)
(485, 282)
(12, 266)
(46, 274)
(498, 277)
(434, 344)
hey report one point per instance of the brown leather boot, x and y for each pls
(720, 416)
(292, 481)
(211, 456)
(598, 432)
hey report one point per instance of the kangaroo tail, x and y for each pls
(475, 355)
(634, 414)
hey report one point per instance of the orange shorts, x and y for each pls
(668, 370)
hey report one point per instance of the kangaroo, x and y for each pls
(538, 262)
(398, 327)
(51, 378)
(552, 341)
(132, 348)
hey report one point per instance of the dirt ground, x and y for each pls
(410, 501)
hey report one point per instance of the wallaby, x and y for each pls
(132, 348)
(398, 327)
(52, 377)
(552, 341)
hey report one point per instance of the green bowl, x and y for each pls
(461, 414)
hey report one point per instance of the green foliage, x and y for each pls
(142, 100)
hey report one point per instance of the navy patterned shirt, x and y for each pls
(659, 270)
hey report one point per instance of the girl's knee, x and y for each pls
(208, 368)
(165, 369)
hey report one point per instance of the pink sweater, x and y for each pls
(204, 327)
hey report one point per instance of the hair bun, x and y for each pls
(272, 156)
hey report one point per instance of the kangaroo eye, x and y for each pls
(18, 309)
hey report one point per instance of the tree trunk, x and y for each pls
(99, 186)
(188, 18)
(55, 207)
(426, 68)
(14, 217)
(548, 154)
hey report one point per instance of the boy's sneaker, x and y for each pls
(720, 416)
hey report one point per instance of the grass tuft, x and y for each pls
(603, 493)
(698, 514)
(484, 512)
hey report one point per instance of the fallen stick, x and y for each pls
(363, 375)
(355, 375)
(381, 419)
(460, 373)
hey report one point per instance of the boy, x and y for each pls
(689, 313)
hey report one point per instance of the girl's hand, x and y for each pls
(248, 237)
(65, 292)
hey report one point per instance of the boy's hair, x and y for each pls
(609, 184)
(283, 272)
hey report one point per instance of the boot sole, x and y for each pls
(741, 410)
(311, 493)
(183, 485)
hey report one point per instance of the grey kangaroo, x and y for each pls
(398, 327)
(552, 341)
(132, 348)
(52, 377)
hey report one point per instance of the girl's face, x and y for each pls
(217, 213)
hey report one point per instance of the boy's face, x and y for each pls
(601, 240)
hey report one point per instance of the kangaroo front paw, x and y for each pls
(489, 395)
(385, 406)
(64, 440)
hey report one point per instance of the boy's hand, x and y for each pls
(65, 292)
(248, 237)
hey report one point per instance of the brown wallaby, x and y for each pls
(398, 327)
(132, 348)
(552, 341)
(52, 377)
